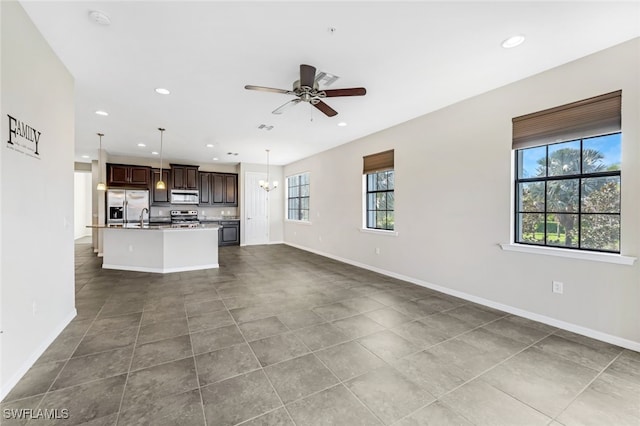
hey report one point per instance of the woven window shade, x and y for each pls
(589, 117)
(378, 162)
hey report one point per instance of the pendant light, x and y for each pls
(101, 186)
(266, 185)
(160, 184)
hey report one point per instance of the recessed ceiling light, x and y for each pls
(141, 145)
(162, 91)
(103, 113)
(513, 41)
(215, 158)
(342, 124)
(85, 156)
(154, 152)
(209, 145)
(99, 17)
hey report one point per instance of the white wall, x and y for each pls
(453, 203)
(37, 258)
(82, 204)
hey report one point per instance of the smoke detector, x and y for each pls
(99, 17)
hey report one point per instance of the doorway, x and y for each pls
(256, 211)
(82, 207)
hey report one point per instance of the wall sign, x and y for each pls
(23, 138)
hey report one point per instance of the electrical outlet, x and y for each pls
(557, 287)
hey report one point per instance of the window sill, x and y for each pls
(301, 222)
(379, 232)
(573, 254)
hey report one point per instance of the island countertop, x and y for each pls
(162, 227)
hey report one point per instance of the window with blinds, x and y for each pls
(568, 175)
(380, 190)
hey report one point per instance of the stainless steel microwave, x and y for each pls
(185, 196)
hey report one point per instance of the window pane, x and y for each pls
(371, 182)
(600, 232)
(371, 219)
(531, 197)
(304, 203)
(601, 153)
(290, 215)
(304, 191)
(562, 195)
(531, 228)
(371, 201)
(601, 195)
(564, 158)
(381, 181)
(381, 201)
(381, 219)
(291, 181)
(532, 162)
(391, 179)
(390, 201)
(562, 230)
(390, 220)
(294, 191)
(305, 215)
(294, 203)
(304, 179)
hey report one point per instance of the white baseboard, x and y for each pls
(275, 242)
(160, 270)
(28, 363)
(578, 329)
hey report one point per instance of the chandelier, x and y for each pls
(267, 186)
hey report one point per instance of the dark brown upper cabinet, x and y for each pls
(184, 177)
(160, 197)
(218, 189)
(128, 175)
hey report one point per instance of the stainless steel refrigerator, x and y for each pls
(127, 205)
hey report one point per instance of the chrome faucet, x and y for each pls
(142, 216)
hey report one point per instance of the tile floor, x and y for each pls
(278, 336)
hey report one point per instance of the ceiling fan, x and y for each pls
(306, 90)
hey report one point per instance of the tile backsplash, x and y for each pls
(203, 212)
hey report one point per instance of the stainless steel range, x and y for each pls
(184, 217)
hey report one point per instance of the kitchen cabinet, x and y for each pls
(160, 197)
(184, 177)
(119, 175)
(229, 233)
(218, 189)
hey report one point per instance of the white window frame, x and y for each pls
(287, 219)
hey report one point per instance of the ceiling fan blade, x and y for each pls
(269, 89)
(355, 91)
(286, 106)
(330, 112)
(307, 75)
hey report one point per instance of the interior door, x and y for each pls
(256, 212)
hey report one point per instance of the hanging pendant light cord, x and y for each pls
(161, 133)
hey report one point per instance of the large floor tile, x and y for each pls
(278, 348)
(333, 406)
(11, 411)
(388, 345)
(203, 307)
(147, 385)
(419, 334)
(259, 329)
(388, 394)
(607, 401)
(224, 363)
(482, 404)
(321, 336)
(516, 329)
(300, 319)
(580, 351)
(277, 417)
(300, 377)
(546, 382)
(86, 402)
(426, 370)
(163, 330)
(161, 351)
(357, 326)
(115, 323)
(36, 381)
(362, 304)
(217, 338)
(209, 320)
(434, 414)
(181, 409)
(91, 367)
(626, 366)
(109, 340)
(240, 398)
(335, 311)
(473, 315)
(388, 317)
(349, 360)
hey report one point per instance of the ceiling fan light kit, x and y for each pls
(307, 89)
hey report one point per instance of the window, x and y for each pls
(298, 197)
(568, 193)
(380, 185)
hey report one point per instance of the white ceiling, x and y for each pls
(413, 58)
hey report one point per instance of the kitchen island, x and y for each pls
(160, 248)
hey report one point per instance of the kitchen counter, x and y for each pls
(162, 226)
(159, 248)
